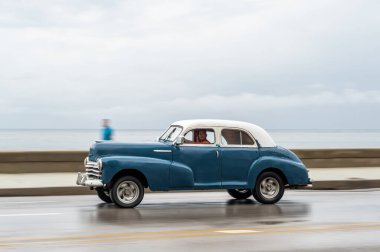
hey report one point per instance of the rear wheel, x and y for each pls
(269, 188)
(103, 194)
(239, 193)
(127, 192)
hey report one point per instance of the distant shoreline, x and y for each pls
(116, 129)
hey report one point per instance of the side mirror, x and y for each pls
(180, 140)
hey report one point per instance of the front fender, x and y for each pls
(156, 171)
(294, 172)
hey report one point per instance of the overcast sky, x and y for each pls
(144, 64)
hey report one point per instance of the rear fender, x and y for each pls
(295, 173)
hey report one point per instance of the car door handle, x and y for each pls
(162, 151)
(217, 154)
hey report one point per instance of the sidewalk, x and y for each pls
(28, 184)
(345, 178)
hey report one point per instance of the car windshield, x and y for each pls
(171, 134)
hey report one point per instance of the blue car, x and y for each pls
(195, 155)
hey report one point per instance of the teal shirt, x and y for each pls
(107, 133)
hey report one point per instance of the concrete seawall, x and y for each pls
(28, 173)
(72, 161)
(41, 161)
(336, 158)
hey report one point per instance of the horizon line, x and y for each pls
(116, 129)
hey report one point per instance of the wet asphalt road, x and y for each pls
(202, 221)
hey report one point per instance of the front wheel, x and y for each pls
(103, 194)
(127, 192)
(269, 188)
(239, 193)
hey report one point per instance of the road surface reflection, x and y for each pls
(211, 212)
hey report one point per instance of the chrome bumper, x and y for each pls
(84, 180)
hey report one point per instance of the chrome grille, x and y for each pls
(92, 170)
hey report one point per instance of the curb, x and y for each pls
(79, 190)
(46, 191)
(345, 184)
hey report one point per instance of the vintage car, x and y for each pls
(194, 154)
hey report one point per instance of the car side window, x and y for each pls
(231, 137)
(236, 137)
(245, 139)
(200, 136)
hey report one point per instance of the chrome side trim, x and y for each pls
(162, 150)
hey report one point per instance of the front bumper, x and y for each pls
(84, 180)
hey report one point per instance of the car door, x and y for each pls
(201, 158)
(238, 151)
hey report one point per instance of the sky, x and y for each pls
(145, 64)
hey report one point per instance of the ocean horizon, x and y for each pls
(82, 139)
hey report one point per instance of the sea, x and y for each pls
(53, 139)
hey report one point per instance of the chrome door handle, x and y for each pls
(162, 151)
(217, 154)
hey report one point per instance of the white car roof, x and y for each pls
(259, 133)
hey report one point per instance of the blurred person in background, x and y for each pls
(107, 131)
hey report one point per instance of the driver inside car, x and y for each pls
(202, 137)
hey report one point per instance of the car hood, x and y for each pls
(105, 149)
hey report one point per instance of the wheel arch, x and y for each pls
(275, 170)
(130, 172)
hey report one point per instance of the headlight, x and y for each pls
(99, 163)
(85, 161)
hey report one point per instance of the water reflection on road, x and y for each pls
(231, 211)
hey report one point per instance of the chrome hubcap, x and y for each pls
(128, 192)
(269, 187)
